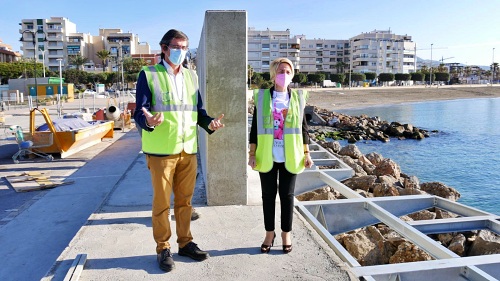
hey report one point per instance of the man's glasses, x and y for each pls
(177, 47)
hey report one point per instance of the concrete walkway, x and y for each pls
(106, 214)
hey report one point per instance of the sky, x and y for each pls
(462, 31)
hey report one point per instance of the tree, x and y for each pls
(357, 77)
(104, 56)
(417, 77)
(402, 76)
(442, 76)
(249, 74)
(370, 75)
(442, 68)
(340, 66)
(386, 77)
(315, 77)
(266, 76)
(78, 60)
(494, 69)
(75, 76)
(300, 78)
(338, 78)
(131, 65)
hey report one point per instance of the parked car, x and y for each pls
(89, 92)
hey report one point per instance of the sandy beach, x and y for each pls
(343, 98)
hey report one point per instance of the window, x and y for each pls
(265, 47)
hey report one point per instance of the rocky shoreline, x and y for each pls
(376, 176)
(338, 126)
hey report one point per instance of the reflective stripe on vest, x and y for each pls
(292, 138)
(178, 131)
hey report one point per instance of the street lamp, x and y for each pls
(59, 94)
(430, 78)
(34, 59)
(43, 61)
(493, 66)
(350, 62)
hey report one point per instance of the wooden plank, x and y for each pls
(76, 268)
(24, 183)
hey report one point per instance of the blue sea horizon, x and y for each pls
(463, 154)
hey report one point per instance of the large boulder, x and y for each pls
(408, 252)
(364, 183)
(388, 167)
(486, 243)
(368, 246)
(441, 190)
(351, 150)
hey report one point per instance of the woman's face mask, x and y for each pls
(283, 80)
(177, 56)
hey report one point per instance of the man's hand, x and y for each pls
(152, 120)
(216, 124)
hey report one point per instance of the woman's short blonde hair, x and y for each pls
(276, 63)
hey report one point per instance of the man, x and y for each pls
(171, 107)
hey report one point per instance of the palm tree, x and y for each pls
(494, 69)
(78, 60)
(340, 66)
(467, 71)
(104, 56)
(442, 68)
(249, 73)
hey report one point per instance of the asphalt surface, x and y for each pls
(106, 214)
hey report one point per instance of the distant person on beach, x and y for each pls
(171, 107)
(279, 148)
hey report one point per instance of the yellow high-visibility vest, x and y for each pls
(292, 132)
(178, 130)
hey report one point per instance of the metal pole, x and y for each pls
(34, 72)
(430, 78)
(493, 66)
(43, 61)
(59, 94)
(350, 64)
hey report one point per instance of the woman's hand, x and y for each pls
(308, 162)
(251, 161)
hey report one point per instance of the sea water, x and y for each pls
(463, 154)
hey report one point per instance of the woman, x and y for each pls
(279, 148)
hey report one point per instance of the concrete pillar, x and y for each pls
(221, 63)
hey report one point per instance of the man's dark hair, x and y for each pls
(171, 34)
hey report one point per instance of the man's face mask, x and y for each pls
(177, 56)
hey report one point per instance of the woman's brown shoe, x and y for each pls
(287, 249)
(266, 248)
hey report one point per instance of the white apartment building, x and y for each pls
(376, 51)
(324, 55)
(44, 39)
(265, 46)
(56, 38)
(383, 52)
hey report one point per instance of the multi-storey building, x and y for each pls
(44, 39)
(265, 46)
(7, 54)
(383, 52)
(376, 51)
(324, 55)
(48, 40)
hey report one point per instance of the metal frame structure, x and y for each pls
(332, 217)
